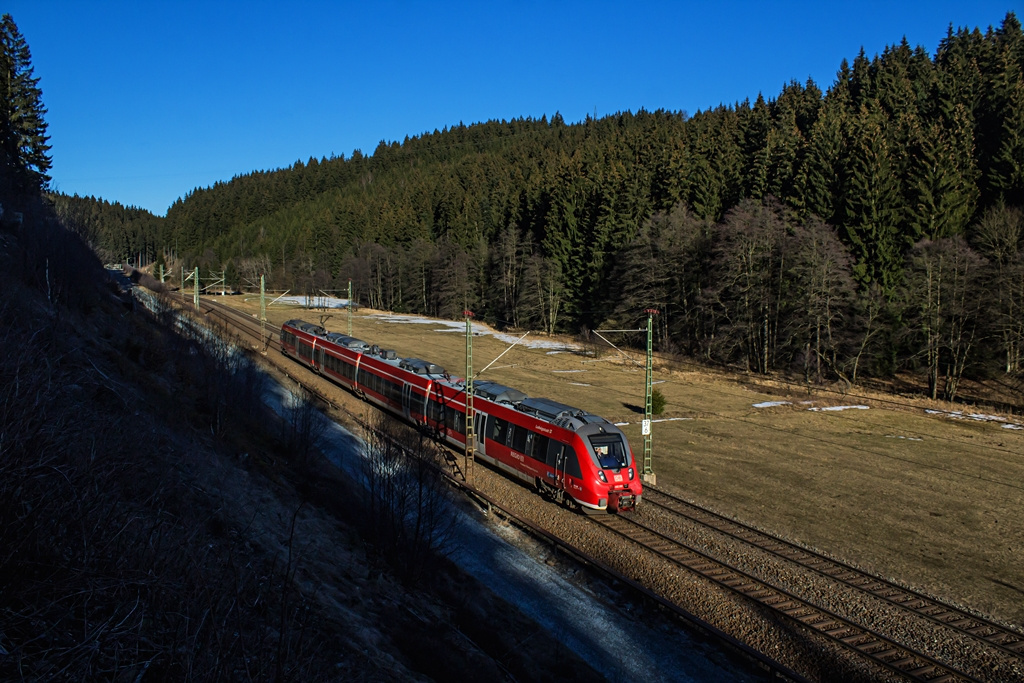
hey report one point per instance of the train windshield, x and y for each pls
(610, 450)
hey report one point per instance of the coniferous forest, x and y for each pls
(870, 228)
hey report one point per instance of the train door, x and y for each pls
(407, 398)
(485, 434)
(556, 460)
(318, 356)
(478, 429)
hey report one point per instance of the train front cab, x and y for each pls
(563, 462)
(613, 483)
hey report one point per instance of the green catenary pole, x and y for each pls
(648, 473)
(263, 310)
(470, 412)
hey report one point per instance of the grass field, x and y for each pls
(933, 501)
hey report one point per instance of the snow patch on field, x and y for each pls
(771, 404)
(313, 301)
(977, 417)
(835, 409)
(478, 328)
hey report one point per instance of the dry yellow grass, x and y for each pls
(933, 502)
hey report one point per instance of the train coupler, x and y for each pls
(621, 501)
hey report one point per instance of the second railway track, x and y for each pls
(861, 640)
(940, 613)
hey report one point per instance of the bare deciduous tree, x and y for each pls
(751, 263)
(543, 293)
(1000, 237)
(820, 293)
(942, 304)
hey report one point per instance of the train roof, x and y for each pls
(499, 393)
(347, 341)
(308, 328)
(558, 413)
(386, 354)
(420, 367)
(546, 409)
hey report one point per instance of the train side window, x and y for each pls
(539, 451)
(455, 420)
(554, 452)
(572, 464)
(499, 431)
(519, 438)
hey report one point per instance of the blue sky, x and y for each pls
(150, 99)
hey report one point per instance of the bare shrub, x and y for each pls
(410, 518)
(305, 426)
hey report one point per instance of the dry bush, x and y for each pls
(410, 517)
(305, 426)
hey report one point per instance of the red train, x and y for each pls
(559, 449)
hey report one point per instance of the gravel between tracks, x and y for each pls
(793, 646)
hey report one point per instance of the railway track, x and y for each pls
(263, 337)
(987, 632)
(254, 333)
(865, 642)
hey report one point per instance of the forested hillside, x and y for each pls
(872, 227)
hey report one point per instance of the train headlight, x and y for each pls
(631, 474)
(600, 473)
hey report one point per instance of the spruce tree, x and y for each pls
(872, 204)
(23, 137)
(942, 178)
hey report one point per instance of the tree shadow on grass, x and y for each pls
(635, 409)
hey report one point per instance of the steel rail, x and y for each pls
(887, 653)
(932, 609)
